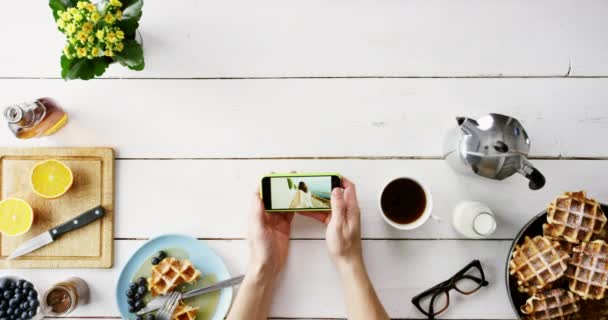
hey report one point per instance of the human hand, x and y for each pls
(343, 234)
(268, 238)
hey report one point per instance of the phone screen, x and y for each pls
(309, 192)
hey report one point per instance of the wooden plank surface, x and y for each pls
(215, 193)
(88, 247)
(309, 287)
(316, 38)
(313, 117)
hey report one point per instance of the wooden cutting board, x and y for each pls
(88, 247)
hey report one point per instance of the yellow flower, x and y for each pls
(111, 37)
(91, 39)
(81, 52)
(91, 7)
(82, 37)
(87, 27)
(95, 52)
(95, 17)
(109, 53)
(120, 34)
(118, 15)
(60, 23)
(119, 46)
(116, 3)
(71, 28)
(73, 11)
(66, 16)
(73, 40)
(78, 16)
(81, 4)
(99, 34)
(66, 50)
(109, 19)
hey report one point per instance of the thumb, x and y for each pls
(257, 209)
(338, 206)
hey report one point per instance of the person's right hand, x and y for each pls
(343, 225)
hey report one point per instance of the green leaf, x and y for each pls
(83, 68)
(62, 5)
(131, 56)
(132, 11)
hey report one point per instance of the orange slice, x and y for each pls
(16, 217)
(51, 179)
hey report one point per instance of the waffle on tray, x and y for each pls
(537, 263)
(551, 304)
(576, 229)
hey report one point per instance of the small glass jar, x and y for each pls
(474, 220)
(65, 296)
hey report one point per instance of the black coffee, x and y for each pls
(403, 201)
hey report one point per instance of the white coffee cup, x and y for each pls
(426, 213)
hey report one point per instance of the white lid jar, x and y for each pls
(474, 220)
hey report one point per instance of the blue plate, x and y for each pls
(202, 257)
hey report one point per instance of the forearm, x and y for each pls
(254, 296)
(361, 299)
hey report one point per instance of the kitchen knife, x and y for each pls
(45, 238)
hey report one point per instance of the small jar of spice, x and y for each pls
(65, 296)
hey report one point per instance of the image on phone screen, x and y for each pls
(300, 192)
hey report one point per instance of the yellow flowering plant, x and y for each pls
(98, 34)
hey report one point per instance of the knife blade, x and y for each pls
(158, 302)
(47, 237)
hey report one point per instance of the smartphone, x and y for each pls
(299, 191)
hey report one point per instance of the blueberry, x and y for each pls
(130, 293)
(2, 313)
(139, 304)
(32, 294)
(21, 283)
(149, 316)
(34, 304)
(133, 286)
(8, 294)
(28, 285)
(137, 297)
(161, 255)
(155, 261)
(24, 315)
(139, 318)
(13, 302)
(142, 290)
(132, 309)
(5, 283)
(18, 297)
(3, 305)
(31, 313)
(142, 281)
(131, 301)
(9, 311)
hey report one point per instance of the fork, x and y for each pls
(168, 308)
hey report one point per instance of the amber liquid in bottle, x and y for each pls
(42, 117)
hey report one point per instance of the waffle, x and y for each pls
(551, 304)
(170, 273)
(588, 270)
(574, 217)
(184, 312)
(537, 263)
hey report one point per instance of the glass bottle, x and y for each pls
(474, 220)
(42, 117)
(65, 296)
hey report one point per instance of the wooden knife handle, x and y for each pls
(78, 222)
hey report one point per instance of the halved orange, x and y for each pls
(16, 217)
(51, 179)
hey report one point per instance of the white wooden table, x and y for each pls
(236, 88)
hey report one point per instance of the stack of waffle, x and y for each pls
(167, 275)
(565, 271)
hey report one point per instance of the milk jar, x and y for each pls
(474, 220)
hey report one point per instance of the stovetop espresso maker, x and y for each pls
(494, 146)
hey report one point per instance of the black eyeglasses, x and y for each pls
(435, 300)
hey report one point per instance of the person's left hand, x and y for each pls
(268, 237)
